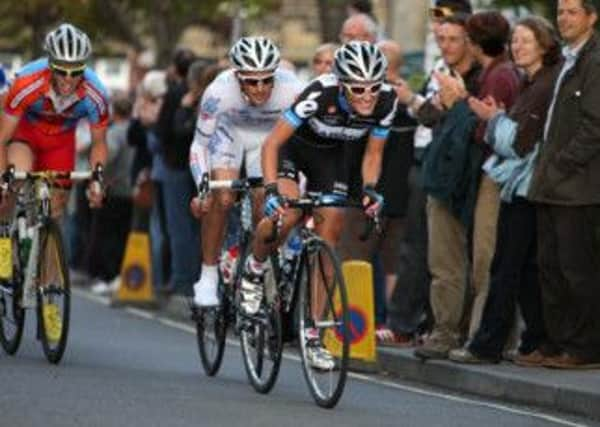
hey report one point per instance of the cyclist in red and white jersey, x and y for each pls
(43, 105)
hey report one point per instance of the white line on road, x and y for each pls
(366, 378)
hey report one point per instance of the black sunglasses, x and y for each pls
(67, 72)
(253, 81)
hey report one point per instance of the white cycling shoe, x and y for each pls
(251, 292)
(205, 291)
(318, 357)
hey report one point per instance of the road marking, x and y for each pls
(145, 314)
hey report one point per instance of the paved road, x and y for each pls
(121, 369)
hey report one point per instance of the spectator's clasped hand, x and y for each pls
(451, 91)
(486, 108)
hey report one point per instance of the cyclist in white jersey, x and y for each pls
(237, 111)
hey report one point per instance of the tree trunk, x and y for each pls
(332, 14)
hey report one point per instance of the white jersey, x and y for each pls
(228, 127)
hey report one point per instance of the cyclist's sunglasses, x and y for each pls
(361, 90)
(440, 12)
(68, 71)
(254, 81)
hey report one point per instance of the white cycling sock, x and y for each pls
(209, 272)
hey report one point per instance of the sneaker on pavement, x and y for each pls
(464, 355)
(101, 288)
(251, 292)
(435, 346)
(205, 291)
(318, 356)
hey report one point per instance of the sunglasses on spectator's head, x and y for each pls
(358, 90)
(67, 71)
(255, 81)
(440, 12)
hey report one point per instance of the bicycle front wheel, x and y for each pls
(261, 338)
(12, 314)
(324, 323)
(211, 332)
(54, 294)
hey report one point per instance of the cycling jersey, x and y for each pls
(32, 98)
(47, 121)
(322, 115)
(328, 134)
(229, 128)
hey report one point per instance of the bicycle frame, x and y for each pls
(32, 212)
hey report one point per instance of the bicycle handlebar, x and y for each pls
(52, 175)
(206, 185)
(312, 202)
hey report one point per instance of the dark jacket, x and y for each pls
(531, 107)
(568, 167)
(174, 151)
(452, 163)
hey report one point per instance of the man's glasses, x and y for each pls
(361, 90)
(255, 81)
(440, 12)
(68, 71)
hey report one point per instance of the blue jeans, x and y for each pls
(183, 231)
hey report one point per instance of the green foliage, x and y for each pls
(138, 23)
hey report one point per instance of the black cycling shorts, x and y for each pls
(325, 167)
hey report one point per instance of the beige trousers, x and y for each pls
(449, 262)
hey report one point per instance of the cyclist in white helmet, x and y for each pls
(44, 103)
(237, 112)
(334, 112)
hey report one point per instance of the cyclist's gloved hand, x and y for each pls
(372, 201)
(274, 203)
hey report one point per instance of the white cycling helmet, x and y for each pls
(68, 43)
(359, 61)
(254, 54)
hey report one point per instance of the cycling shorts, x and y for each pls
(50, 152)
(325, 167)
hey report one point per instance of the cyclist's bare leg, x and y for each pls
(215, 221)
(261, 248)
(329, 223)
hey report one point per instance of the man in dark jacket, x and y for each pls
(566, 182)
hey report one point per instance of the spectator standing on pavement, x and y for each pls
(514, 135)
(463, 208)
(149, 102)
(566, 184)
(409, 312)
(170, 170)
(466, 218)
(110, 224)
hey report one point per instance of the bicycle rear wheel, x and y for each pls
(211, 332)
(12, 314)
(324, 323)
(54, 294)
(261, 338)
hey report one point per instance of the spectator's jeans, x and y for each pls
(409, 304)
(449, 261)
(158, 237)
(569, 266)
(514, 278)
(182, 228)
